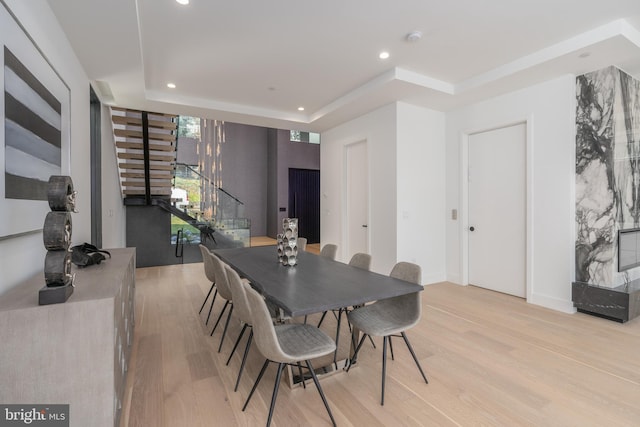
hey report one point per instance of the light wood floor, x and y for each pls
(491, 360)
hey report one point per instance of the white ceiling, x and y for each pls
(256, 61)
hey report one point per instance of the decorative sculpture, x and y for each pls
(57, 240)
(289, 255)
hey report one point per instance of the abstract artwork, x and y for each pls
(607, 172)
(32, 138)
(35, 137)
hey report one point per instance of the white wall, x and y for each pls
(550, 107)
(378, 128)
(421, 191)
(23, 257)
(113, 209)
(406, 148)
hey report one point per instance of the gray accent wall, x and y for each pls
(272, 185)
(244, 171)
(286, 155)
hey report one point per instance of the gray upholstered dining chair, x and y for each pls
(361, 260)
(243, 311)
(302, 243)
(286, 344)
(222, 284)
(358, 260)
(329, 251)
(391, 316)
(210, 273)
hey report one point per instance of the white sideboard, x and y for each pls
(75, 352)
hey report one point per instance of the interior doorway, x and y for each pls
(357, 198)
(304, 202)
(95, 141)
(497, 197)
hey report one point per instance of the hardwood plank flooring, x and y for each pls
(491, 359)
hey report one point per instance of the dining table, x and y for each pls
(315, 284)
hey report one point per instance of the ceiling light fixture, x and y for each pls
(171, 85)
(383, 55)
(183, 2)
(414, 36)
(300, 108)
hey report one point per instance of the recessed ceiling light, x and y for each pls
(171, 85)
(183, 2)
(383, 55)
(300, 108)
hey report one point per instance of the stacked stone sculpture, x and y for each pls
(57, 241)
(288, 242)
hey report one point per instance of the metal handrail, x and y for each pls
(210, 182)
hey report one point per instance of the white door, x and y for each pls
(497, 210)
(357, 198)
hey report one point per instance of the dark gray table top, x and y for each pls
(315, 284)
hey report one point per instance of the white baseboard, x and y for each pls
(433, 278)
(454, 278)
(552, 303)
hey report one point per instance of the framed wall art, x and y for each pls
(34, 129)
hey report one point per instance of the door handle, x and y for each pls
(472, 228)
(364, 226)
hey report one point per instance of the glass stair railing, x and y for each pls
(209, 208)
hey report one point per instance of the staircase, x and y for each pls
(146, 151)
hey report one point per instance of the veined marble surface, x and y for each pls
(607, 172)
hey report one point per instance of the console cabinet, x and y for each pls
(72, 353)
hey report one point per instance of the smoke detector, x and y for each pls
(414, 36)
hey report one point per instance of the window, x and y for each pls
(308, 137)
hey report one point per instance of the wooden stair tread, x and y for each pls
(140, 156)
(158, 192)
(134, 121)
(136, 144)
(139, 146)
(138, 134)
(152, 184)
(152, 175)
(129, 110)
(153, 166)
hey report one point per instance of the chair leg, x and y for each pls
(207, 297)
(372, 343)
(384, 366)
(352, 361)
(335, 353)
(213, 301)
(244, 328)
(317, 383)
(255, 385)
(276, 386)
(304, 382)
(244, 359)
(391, 348)
(415, 359)
(321, 319)
(226, 325)
(226, 304)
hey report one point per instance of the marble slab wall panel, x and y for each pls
(607, 172)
